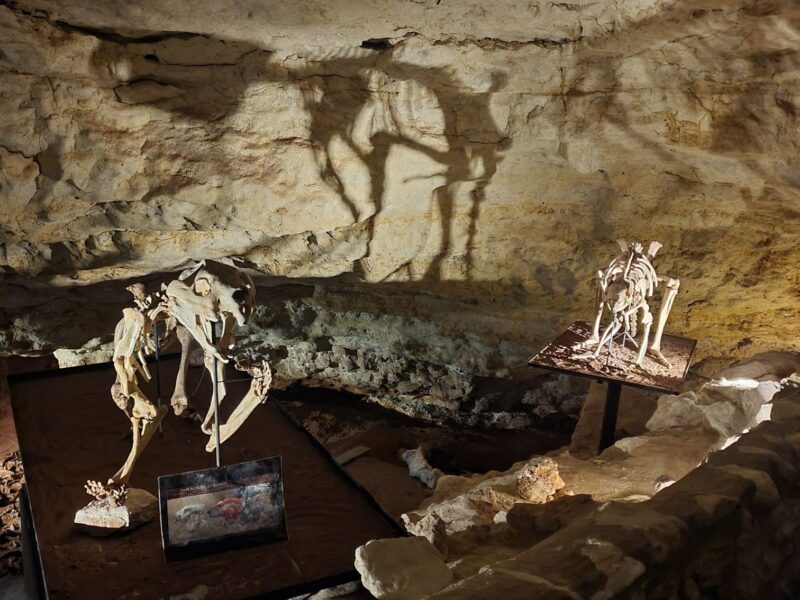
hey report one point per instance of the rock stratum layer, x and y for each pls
(425, 190)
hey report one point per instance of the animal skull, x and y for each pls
(208, 293)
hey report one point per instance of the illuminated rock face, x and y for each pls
(655, 507)
(435, 184)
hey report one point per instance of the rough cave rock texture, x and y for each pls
(424, 189)
(702, 501)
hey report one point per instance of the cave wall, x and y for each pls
(424, 190)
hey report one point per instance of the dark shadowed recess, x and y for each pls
(454, 450)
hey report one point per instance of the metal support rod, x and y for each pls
(609, 426)
(215, 392)
(158, 371)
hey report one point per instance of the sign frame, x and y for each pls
(215, 510)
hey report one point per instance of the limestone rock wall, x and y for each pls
(436, 184)
(725, 530)
(688, 506)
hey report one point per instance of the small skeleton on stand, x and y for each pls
(189, 307)
(624, 288)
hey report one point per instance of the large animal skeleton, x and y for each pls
(623, 288)
(205, 294)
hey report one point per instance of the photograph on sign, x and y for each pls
(213, 510)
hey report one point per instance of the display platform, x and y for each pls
(564, 355)
(561, 355)
(70, 430)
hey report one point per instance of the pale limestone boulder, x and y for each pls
(676, 411)
(734, 401)
(431, 526)
(538, 481)
(407, 568)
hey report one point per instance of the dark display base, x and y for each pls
(70, 431)
(562, 355)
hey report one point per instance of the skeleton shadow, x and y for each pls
(337, 92)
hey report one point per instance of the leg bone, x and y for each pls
(672, 287)
(647, 321)
(259, 386)
(179, 400)
(143, 430)
(208, 422)
(608, 335)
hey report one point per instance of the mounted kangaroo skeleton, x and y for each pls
(207, 293)
(624, 288)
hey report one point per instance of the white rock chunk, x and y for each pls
(419, 467)
(101, 518)
(402, 568)
(736, 400)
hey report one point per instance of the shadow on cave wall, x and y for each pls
(208, 84)
(750, 115)
(337, 91)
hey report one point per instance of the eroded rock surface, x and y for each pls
(597, 527)
(539, 480)
(11, 481)
(432, 187)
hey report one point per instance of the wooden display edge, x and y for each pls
(599, 377)
(309, 587)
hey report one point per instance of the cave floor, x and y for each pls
(343, 422)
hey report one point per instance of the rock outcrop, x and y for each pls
(656, 515)
(725, 530)
(424, 190)
(401, 569)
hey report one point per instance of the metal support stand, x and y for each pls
(609, 426)
(215, 384)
